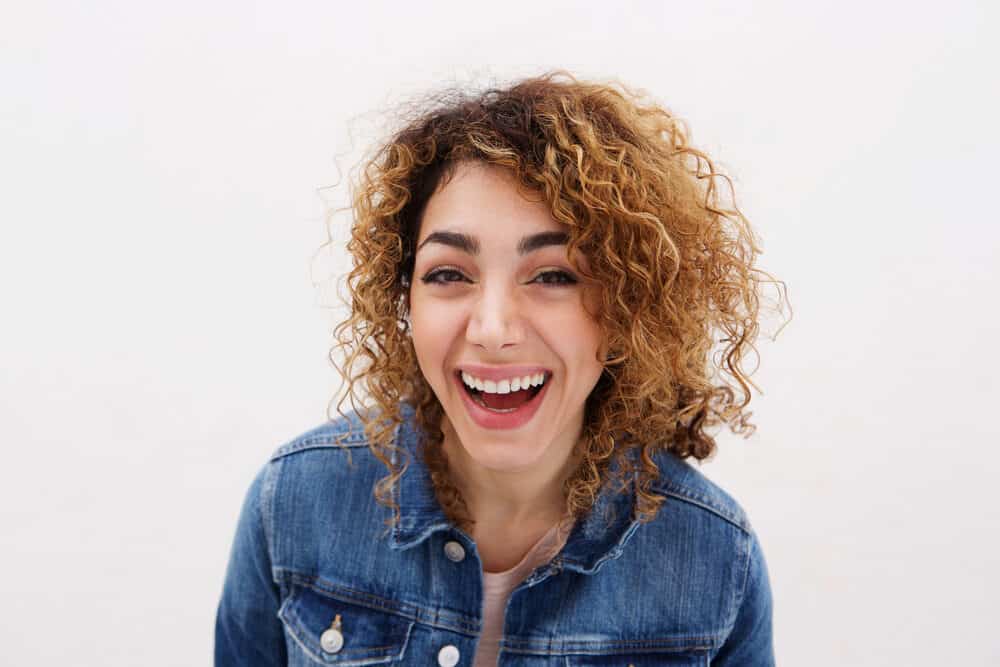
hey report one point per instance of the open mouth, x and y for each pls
(507, 402)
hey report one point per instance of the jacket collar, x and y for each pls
(596, 538)
(420, 514)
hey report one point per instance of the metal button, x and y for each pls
(448, 655)
(331, 640)
(454, 551)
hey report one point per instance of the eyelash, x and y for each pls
(432, 277)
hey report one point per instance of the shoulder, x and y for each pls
(316, 495)
(731, 566)
(703, 537)
(340, 438)
(699, 554)
(331, 457)
(346, 431)
(681, 482)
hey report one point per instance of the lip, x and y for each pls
(501, 421)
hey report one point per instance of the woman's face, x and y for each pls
(494, 295)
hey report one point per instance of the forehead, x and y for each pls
(484, 202)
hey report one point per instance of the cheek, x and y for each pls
(432, 336)
(576, 338)
(591, 347)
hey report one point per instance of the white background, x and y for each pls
(161, 167)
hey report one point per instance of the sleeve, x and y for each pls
(247, 628)
(750, 643)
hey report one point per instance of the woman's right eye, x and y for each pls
(441, 276)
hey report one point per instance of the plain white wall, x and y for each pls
(162, 334)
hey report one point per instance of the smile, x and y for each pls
(504, 386)
(502, 404)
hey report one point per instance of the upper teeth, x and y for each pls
(503, 386)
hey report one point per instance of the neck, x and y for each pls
(511, 497)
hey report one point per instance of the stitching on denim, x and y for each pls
(597, 652)
(404, 537)
(675, 642)
(613, 553)
(296, 623)
(386, 651)
(746, 546)
(294, 631)
(266, 500)
(613, 647)
(320, 442)
(706, 503)
(296, 627)
(341, 432)
(447, 621)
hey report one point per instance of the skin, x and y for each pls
(498, 307)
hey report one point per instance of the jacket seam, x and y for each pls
(612, 553)
(297, 629)
(413, 612)
(706, 503)
(342, 433)
(740, 595)
(678, 644)
(267, 492)
(346, 441)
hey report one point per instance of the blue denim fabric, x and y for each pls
(689, 588)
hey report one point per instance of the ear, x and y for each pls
(604, 352)
(403, 313)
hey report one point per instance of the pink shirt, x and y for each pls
(497, 587)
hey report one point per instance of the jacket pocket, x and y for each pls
(360, 636)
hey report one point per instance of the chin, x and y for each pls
(502, 456)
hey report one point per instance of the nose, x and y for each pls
(495, 322)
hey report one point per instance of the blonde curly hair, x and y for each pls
(674, 256)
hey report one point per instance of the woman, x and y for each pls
(539, 273)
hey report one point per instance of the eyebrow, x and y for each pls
(470, 244)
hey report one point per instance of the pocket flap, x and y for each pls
(367, 636)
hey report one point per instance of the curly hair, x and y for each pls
(674, 256)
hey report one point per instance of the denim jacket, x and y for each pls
(315, 577)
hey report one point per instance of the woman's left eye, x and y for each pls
(555, 278)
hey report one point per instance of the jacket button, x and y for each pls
(448, 656)
(455, 552)
(331, 640)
